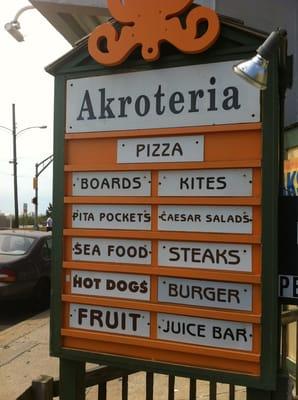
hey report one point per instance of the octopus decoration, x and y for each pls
(148, 23)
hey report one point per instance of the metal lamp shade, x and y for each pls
(255, 71)
(14, 29)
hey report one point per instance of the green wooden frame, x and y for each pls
(235, 43)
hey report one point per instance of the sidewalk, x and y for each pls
(24, 356)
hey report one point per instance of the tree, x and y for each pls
(4, 221)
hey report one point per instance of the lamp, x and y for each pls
(255, 70)
(14, 26)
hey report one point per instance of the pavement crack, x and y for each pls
(13, 353)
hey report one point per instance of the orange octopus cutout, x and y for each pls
(148, 23)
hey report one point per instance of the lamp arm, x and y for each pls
(7, 129)
(20, 12)
(285, 66)
(274, 39)
(45, 163)
(31, 127)
(45, 160)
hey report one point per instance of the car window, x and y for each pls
(47, 248)
(15, 245)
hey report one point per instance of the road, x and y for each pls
(13, 312)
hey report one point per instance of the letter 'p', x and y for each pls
(140, 148)
(284, 283)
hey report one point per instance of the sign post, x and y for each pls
(166, 184)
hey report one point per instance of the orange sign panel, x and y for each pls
(162, 245)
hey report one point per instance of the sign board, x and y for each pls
(156, 226)
(288, 250)
(107, 319)
(227, 219)
(161, 149)
(167, 241)
(112, 250)
(205, 293)
(205, 331)
(230, 182)
(94, 283)
(217, 256)
(111, 217)
(111, 183)
(160, 99)
(291, 177)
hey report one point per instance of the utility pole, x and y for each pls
(15, 174)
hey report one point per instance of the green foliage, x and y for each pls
(4, 221)
(7, 221)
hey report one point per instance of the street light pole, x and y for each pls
(35, 186)
(15, 173)
(15, 162)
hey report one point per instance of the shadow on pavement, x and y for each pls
(13, 312)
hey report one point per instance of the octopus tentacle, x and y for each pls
(187, 39)
(170, 7)
(118, 47)
(122, 10)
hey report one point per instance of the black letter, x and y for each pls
(82, 313)
(176, 98)
(146, 105)
(105, 107)
(123, 102)
(158, 95)
(233, 99)
(212, 106)
(193, 99)
(284, 283)
(86, 106)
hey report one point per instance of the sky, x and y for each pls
(24, 82)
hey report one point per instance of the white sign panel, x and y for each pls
(111, 250)
(194, 95)
(111, 183)
(132, 217)
(217, 182)
(160, 149)
(214, 219)
(127, 286)
(107, 319)
(288, 286)
(212, 256)
(234, 296)
(205, 332)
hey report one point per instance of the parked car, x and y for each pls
(25, 266)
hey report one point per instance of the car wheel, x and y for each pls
(41, 295)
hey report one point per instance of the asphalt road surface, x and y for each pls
(12, 313)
